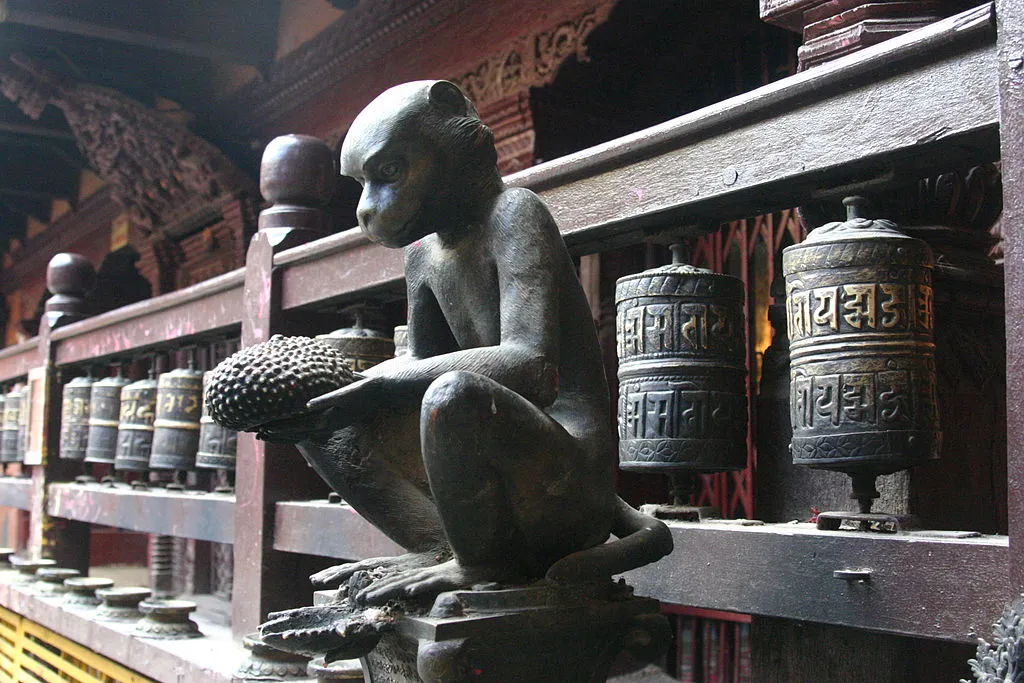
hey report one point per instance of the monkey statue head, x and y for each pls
(425, 160)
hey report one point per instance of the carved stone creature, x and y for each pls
(487, 450)
(1002, 660)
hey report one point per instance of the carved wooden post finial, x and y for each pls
(69, 277)
(297, 177)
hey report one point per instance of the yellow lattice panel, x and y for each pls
(30, 653)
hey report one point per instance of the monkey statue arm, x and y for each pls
(526, 358)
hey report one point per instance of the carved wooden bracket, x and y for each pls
(159, 170)
(532, 60)
(833, 28)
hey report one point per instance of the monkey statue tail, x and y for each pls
(641, 539)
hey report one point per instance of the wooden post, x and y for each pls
(1010, 51)
(68, 277)
(297, 176)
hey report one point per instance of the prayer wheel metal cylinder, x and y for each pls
(176, 427)
(362, 347)
(401, 340)
(9, 431)
(23, 414)
(104, 414)
(74, 418)
(682, 371)
(217, 444)
(135, 426)
(861, 320)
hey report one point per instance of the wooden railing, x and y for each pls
(927, 100)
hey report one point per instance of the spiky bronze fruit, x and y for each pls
(272, 381)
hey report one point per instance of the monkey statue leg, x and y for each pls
(376, 467)
(515, 491)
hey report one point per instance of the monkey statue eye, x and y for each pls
(390, 171)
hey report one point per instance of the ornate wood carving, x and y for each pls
(833, 28)
(532, 60)
(160, 171)
(500, 85)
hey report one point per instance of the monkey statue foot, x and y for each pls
(338, 574)
(428, 582)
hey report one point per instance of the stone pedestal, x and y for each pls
(541, 633)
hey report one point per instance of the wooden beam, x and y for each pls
(88, 29)
(915, 104)
(36, 131)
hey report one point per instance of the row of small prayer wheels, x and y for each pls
(150, 424)
(162, 423)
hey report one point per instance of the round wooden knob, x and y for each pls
(70, 274)
(297, 169)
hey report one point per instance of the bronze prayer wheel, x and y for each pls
(104, 414)
(9, 432)
(401, 336)
(176, 427)
(74, 418)
(135, 426)
(216, 444)
(23, 416)
(682, 371)
(362, 347)
(861, 320)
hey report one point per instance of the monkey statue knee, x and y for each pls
(496, 313)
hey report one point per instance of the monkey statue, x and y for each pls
(487, 450)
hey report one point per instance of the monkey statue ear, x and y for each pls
(446, 96)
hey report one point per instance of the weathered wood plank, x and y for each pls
(203, 516)
(17, 360)
(211, 306)
(1011, 94)
(929, 587)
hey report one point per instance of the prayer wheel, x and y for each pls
(682, 370)
(104, 413)
(23, 415)
(176, 427)
(362, 347)
(9, 431)
(216, 444)
(861, 320)
(135, 426)
(401, 340)
(74, 418)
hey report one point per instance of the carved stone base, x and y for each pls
(267, 664)
(542, 633)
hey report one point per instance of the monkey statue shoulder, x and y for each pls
(486, 451)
